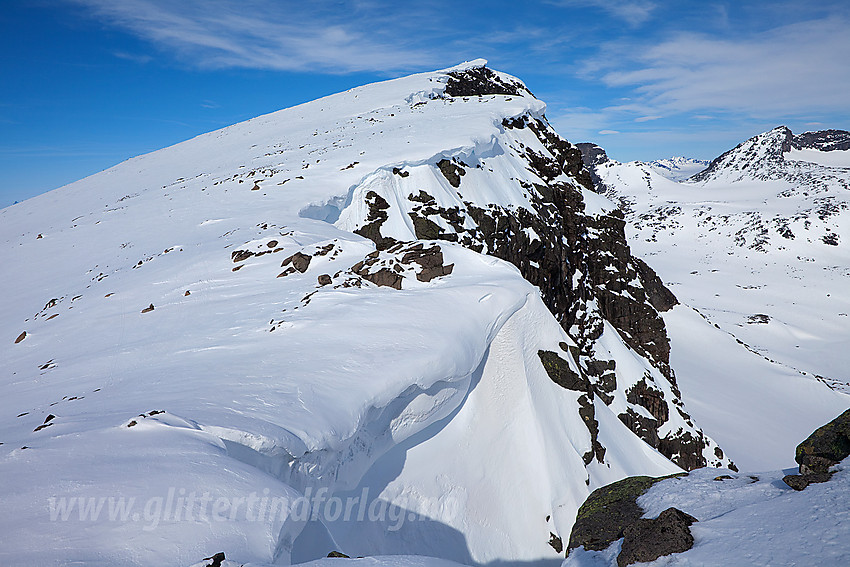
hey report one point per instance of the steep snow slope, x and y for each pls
(755, 245)
(301, 306)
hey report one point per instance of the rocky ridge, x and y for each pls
(576, 254)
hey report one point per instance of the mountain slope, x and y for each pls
(333, 298)
(753, 246)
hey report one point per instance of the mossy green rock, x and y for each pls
(825, 447)
(608, 511)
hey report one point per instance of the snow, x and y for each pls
(249, 389)
(758, 344)
(749, 519)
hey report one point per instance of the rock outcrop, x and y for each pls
(576, 254)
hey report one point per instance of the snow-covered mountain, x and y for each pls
(756, 244)
(402, 305)
(678, 168)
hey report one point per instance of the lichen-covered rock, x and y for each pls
(827, 446)
(647, 540)
(608, 511)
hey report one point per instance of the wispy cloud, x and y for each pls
(792, 70)
(264, 34)
(633, 12)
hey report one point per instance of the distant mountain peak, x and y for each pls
(764, 156)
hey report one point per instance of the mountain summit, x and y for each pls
(404, 297)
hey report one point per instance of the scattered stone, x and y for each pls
(148, 309)
(187, 294)
(325, 279)
(132, 423)
(758, 319)
(299, 261)
(723, 477)
(21, 337)
(647, 540)
(338, 554)
(256, 187)
(237, 268)
(39, 236)
(240, 255)
(271, 243)
(397, 171)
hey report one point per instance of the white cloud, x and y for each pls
(264, 34)
(795, 69)
(648, 118)
(607, 132)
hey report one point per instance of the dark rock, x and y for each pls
(647, 540)
(651, 399)
(556, 543)
(384, 277)
(338, 554)
(272, 243)
(560, 372)
(481, 81)
(659, 296)
(377, 216)
(324, 279)
(400, 173)
(240, 255)
(299, 261)
(587, 412)
(216, 559)
(608, 511)
(827, 446)
(451, 171)
(723, 477)
(801, 481)
(148, 309)
(21, 337)
(823, 140)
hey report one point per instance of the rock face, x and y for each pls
(647, 540)
(827, 446)
(575, 254)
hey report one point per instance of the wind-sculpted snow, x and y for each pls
(342, 302)
(755, 248)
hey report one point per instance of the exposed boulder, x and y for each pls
(607, 512)
(827, 446)
(647, 540)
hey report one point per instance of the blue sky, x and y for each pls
(89, 83)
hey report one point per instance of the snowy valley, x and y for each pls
(411, 323)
